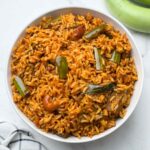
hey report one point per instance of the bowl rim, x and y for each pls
(49, 135)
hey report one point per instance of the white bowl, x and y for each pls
(138, 85)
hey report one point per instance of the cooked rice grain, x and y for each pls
(80, 115)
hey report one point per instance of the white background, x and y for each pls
(14, 16)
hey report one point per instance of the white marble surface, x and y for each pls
(14, 16)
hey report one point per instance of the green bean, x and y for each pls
(94, 33)
(20, 86)
(62, 67)
(100, 62)
(116, 57)
(97, 89)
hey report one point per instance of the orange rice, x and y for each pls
(33, 60)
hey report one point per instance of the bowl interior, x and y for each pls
(135, 54)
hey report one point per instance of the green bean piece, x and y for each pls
(116, 57)
(98, 89)
(62, 67)
(100, 62)
(22, 89)
(94, 33)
